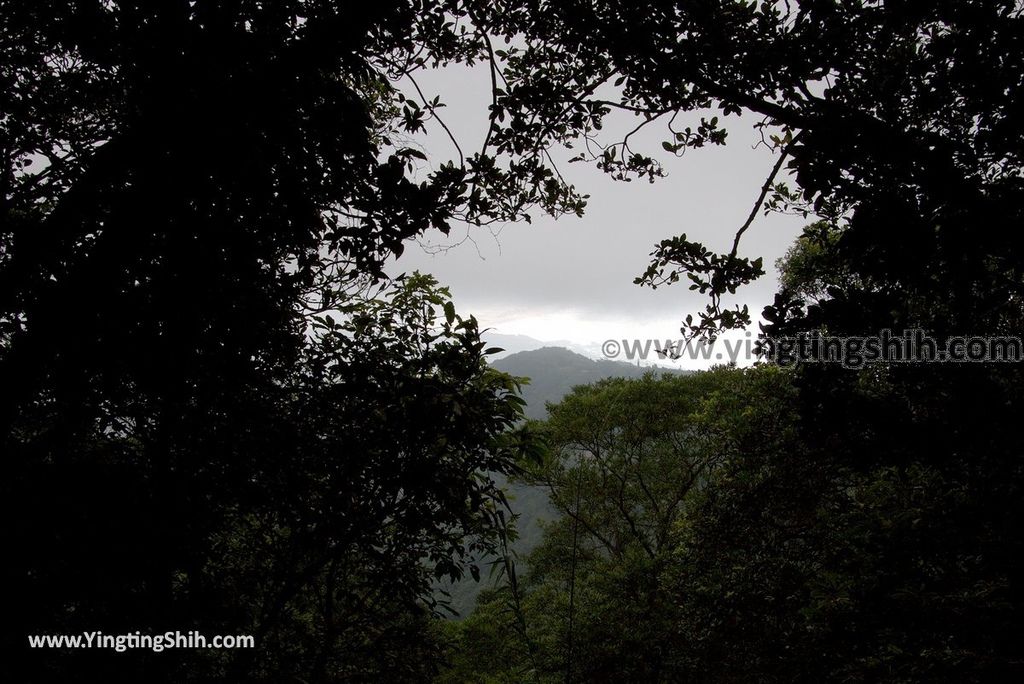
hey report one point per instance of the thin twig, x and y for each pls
(433, 113)
(768, 184)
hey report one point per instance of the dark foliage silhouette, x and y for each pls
(878, 541)
(217, 414)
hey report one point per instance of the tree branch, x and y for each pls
(768, 184)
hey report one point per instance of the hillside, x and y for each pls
(554, 371)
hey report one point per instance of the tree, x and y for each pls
(910, 166)
(345, 487)
(784, 563)
(621, 480)
(799, 563)
(187, 184)
(874, 107)
(216, 413)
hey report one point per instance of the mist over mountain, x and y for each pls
(514, 344)
(509, 344)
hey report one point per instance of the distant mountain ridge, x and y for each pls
(513, 344)
(554, 371)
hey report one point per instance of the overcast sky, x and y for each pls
(572, 279)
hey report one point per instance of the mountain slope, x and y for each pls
(554, 371)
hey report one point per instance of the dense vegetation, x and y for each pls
(609, 590)
(704, 538)
(553, 372)
(218, 413)
(860, 524)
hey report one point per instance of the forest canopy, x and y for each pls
(217, 410)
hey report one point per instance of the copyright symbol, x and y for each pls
(610, 349)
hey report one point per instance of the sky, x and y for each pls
(571, 281)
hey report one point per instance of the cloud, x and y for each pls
(582, 269)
